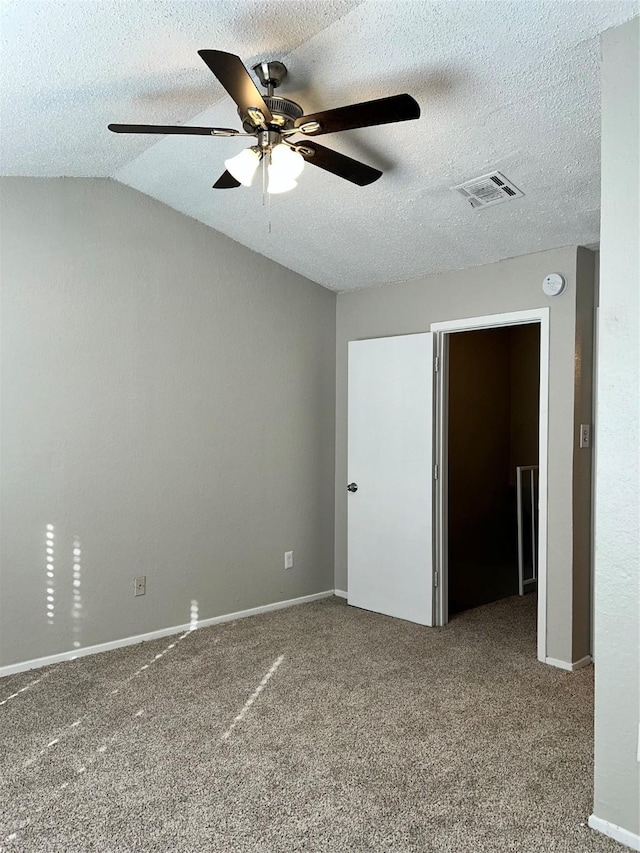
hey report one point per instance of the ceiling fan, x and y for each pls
(273, 120)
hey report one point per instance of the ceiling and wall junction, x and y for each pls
(512, 86)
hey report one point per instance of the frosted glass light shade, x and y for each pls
(279, 183)
(287, 161)
(284, 167)
(243, 166)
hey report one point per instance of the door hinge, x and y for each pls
(436, 364)
(435, 472)
(435, 579)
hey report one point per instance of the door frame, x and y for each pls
(442, 330)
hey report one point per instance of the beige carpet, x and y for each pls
(319, 728)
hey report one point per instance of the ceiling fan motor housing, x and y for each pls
(284, 113)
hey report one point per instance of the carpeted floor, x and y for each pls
(319, 728)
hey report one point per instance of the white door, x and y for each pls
(390, 516)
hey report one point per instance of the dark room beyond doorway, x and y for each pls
(493, 427)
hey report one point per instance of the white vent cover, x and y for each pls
(487, 190)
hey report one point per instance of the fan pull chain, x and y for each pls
(266, 200)
(264, 179)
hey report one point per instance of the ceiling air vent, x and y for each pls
(487, 190)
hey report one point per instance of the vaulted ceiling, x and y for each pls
(512, 86)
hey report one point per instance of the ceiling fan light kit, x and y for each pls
(272, 120)
(278, 183)
(285, 164)
(287, 160)
(243, 166)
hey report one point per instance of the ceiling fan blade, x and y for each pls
(366, 114)
(226, 181)
(235, 78)
(341, 165)
(188, 131)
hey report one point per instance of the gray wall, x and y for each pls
(168, 400)
(583, 459)
(510, 285)
(617, 772)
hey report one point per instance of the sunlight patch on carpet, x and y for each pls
(243, 713)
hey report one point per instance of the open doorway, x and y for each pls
(492, 431)
(499, 529)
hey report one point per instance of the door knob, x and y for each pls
(352, 487)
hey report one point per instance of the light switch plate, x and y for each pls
(585, 435)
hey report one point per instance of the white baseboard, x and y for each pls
(570, 667)
(340, 593)
(36, 663)
(616, 832)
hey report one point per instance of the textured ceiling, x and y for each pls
(512, 86)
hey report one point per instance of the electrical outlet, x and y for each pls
(288, 559)
(140, 585)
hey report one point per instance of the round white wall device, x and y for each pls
(554, 284)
